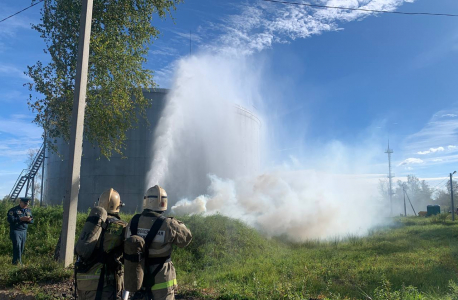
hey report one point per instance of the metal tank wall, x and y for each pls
(126, 175)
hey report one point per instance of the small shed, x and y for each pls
(433, 210)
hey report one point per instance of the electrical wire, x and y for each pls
(21, 11)
(364, 9)
(440, 183)
(307, 4)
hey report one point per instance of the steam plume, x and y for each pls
(200, 159)
(200, 152)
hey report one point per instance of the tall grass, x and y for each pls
(42, 237)
(416, 258)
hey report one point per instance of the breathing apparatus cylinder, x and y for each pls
(90, 234)
(134, 263)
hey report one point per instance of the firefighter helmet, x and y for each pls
(155, 199)
(111, 201)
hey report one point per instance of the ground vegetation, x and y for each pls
(410, 258)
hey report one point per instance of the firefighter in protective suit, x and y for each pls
(159, 280)
(101, 275)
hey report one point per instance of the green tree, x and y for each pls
(418, 190)
(121, 33)
(443, 198)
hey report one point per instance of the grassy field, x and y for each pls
(414, 258)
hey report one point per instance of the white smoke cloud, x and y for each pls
(200, 134)
(299, 204)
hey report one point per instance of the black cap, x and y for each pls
(25, 199)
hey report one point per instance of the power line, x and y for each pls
(440, 183)
(21, 10)
(364, 9)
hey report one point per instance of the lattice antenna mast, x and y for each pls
(390, 176)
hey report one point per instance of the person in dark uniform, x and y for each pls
(19, 218)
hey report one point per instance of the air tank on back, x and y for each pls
(127, 174)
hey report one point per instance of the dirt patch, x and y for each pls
(29, 291)
(61, 290)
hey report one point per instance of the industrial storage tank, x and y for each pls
(128, 174)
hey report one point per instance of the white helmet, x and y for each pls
(111, 201)
(155, 199)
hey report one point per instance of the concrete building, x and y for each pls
(128, 175)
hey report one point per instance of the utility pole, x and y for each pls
(33, 191)
(389, 151)
(27, 187)
(411, 205)
(43, 171)
(405, 209)
(44, 159)
(76, 137)
(451, 195)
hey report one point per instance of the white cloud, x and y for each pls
(20, 116)
(12, 71)
(410, 161)
(19, 126)
(165, 51)
(262, 24)
(12, 95)
(452, 147)
(18, 135)
(164, 76)
(185, 36)
(437, 52)
(438, 131)
(12, 25)
(431, 150)
(449, 115)
(437, 159)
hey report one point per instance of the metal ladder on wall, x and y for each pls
(28, 174)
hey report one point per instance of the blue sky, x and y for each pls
(339, 80)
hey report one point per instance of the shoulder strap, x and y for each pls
(153, 231)
(150, 275)
(134, 224)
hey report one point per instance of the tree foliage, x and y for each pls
(443, 196)
(121, 33)
(417, 190)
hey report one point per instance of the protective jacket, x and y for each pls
(106, 260)
(14, 218)
(171, 232)
(18, 231)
